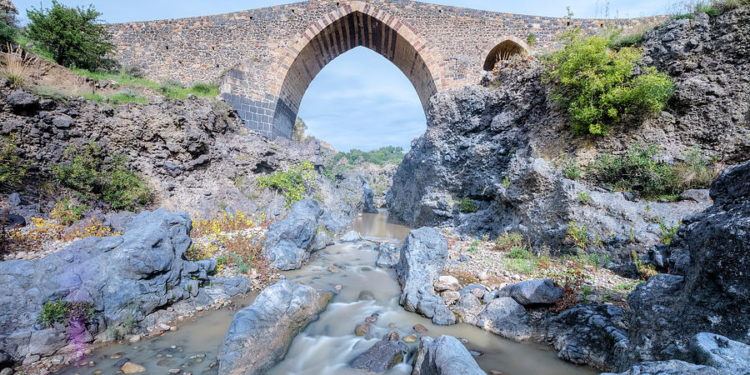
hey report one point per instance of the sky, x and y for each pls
(360, 100)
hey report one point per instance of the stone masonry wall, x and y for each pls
(265, 58)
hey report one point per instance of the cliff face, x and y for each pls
(195, 154)
(494, 145)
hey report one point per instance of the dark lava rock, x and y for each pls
(379, 358)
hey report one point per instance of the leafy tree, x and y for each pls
(598, 85)
(74, 37)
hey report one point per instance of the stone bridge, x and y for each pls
(264, 59)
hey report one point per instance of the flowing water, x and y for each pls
(329, 344)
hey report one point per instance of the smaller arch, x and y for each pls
(506, 48)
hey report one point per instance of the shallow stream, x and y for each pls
(329, 344)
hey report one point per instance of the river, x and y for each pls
(328, 345)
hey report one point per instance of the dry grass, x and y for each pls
(16, 61)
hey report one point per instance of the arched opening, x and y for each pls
(355, 29)
(503, 51)
(361, 100)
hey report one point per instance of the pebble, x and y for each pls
(392, 325)
(371, 319)
(132, 368)
(391, 336)
(420, 328)
(410, 339)
(338, 287)
(366, 295)
(333, 269)
(135, 338)
(175, 371)
(97, 372)
(362, 329)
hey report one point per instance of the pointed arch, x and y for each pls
(506, 47)
(358, 24)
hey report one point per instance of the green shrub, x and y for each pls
(519, 252)
(667, 232)
(597, 85)
(122, 188)
(639, 171)
(578, 234)
(68, 213)
(8, 29)
(572, 170)
(508, 240)
(12, 168)
(74, 37)
(466, 206)
(531, 39)
(584, 197)
(170, 87)
(625, 40)
(205, 88)
(63, 312)
(292, 183)
(89, 173)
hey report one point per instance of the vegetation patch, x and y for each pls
(292, 183)
(73, 37)
(64, 312)
(91, 174)
(597, 85)
(12, 168)
(466, 206)
(642, 172)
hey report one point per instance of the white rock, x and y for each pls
(444, 283)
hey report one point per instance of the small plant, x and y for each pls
(16, 61)
(519, 252)
(12, 168)
(170, 87)
(646, 271)
(584, 197)
(134, 71)
(466, 206)
(508, 240)
(292, 184)
(578, 234)
(472, 249)
(66, 213)
(506, 182)
(64, 312)
(572, 170)
(585, 293)
(205, 88)
(531, 39)
(667, 232)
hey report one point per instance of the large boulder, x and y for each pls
(423, 257)
(289, 242)
(708, 289)
(444, 355)
(731, 357)
(261, 333)
(379, 358)
(129, 276)
(673, 367)
(533, 292)
(506, 318)
(369, 203)
(588, 334)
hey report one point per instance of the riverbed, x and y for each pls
(328, 345)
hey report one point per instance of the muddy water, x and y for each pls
(329, 344)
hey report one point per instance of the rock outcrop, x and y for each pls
(388, 255)
(533, 292)
(196, 154)
(261, 333)
(129, 276)
(709, 287)
(289, 242)
(486, 144)
(379, 358)
(444, 355)
(423, 258)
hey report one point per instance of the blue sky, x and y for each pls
(360, 100)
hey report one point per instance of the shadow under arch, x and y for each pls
(505, 49)
(355, 25)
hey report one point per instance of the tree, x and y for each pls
(74, 37)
